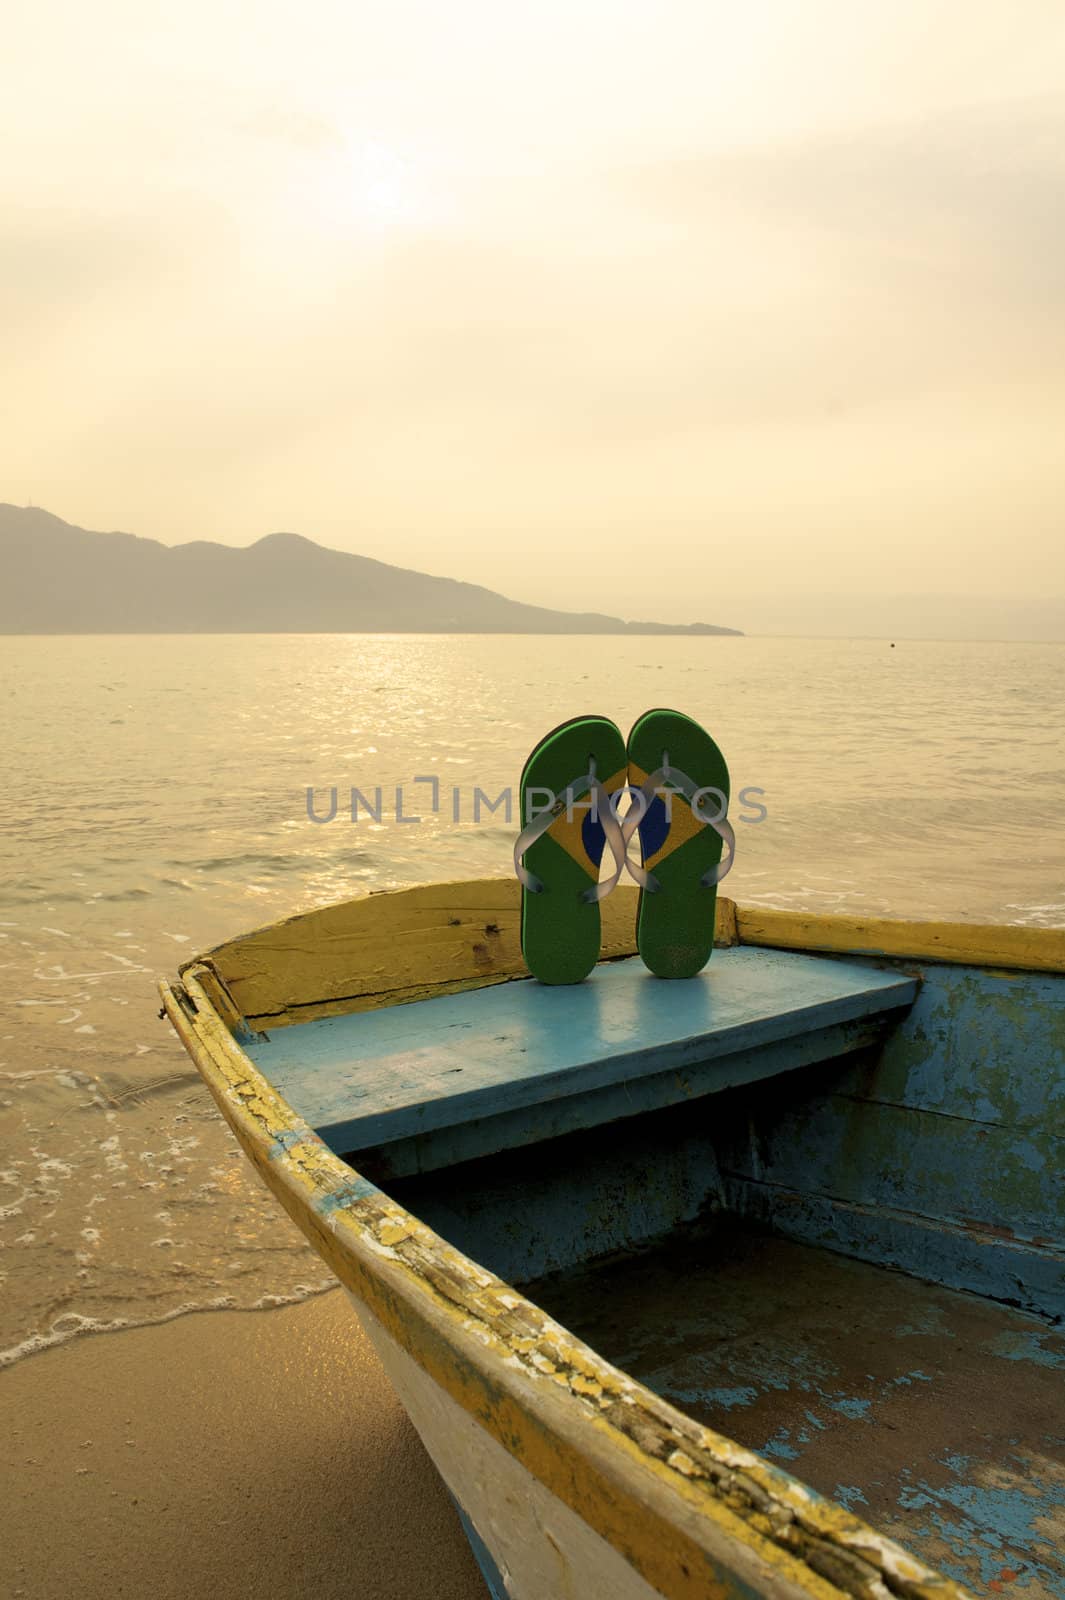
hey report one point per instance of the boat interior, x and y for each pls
(815, 1201)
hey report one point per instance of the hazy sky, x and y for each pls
(674, 308)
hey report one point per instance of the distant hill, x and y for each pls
(57, 578)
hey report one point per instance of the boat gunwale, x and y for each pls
(990, 944)
(993, 947)
(422, 921)
(552, 1401)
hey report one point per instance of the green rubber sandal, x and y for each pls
(681, 840)
(566, 792)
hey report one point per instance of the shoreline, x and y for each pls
(38, 1344)
(227, 1453)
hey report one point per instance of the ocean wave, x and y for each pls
(252, 858)
(74, 1326)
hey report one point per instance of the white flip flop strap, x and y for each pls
(617, 843)
(540, 824)
(619, 833)
(679, 781)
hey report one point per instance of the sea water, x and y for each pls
(155, 801)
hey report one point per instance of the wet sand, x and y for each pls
(223, 1454)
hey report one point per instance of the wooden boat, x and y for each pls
(743, 1286)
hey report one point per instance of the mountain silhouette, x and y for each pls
(58, 578)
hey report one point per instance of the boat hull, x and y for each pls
(567, 1471)
(530, 1545)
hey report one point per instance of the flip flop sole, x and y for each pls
(560, 932)
(675, 926)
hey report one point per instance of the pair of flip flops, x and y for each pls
(571, 789)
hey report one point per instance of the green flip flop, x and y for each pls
(682, 836)
(566, 793)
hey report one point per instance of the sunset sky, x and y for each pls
(678, 309)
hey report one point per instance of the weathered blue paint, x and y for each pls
(541, 1207)
(338, 1199)
(727, 1398)
(942, 1416)
(1029, 1276)
(483, 1556)
(637, 1097)
(779, 1448)
(784, 1154)
(284, 1140)
(1004, 1528)
(851, 1406)
(983, 1046)
(405, 1071)
(941, 1152)
(1030, 1345)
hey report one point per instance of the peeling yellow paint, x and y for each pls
(393, 1232)
(684, 1464)
(972, 944)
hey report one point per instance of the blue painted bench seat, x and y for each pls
(420, 1086)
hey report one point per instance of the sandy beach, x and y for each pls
(229, 1454)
